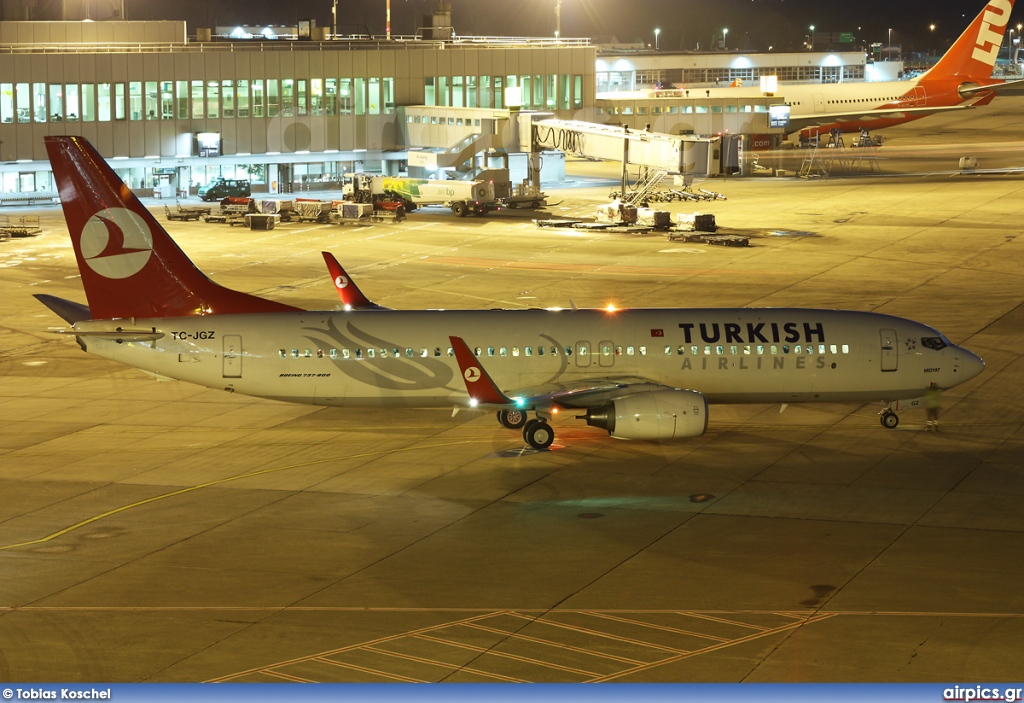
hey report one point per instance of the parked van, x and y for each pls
(224, 188)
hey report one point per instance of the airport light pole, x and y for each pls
(725, 38)
(888, 48)
(558, 18)
(656, 33)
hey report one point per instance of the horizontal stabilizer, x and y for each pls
(68, 310)
(121, 335)
(1006, 87)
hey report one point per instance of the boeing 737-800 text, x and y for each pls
(637, 373)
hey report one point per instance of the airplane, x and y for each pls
(647, 374)
(961, 79)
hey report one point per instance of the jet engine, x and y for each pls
(668, 414)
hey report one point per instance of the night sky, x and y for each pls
(752, 24)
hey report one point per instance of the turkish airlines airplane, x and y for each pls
(961, 79)
(638, 374)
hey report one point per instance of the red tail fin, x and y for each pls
(972, 56)
(130, 266)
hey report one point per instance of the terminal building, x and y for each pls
(173, 112)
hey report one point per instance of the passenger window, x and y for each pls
(554, 351)
(282, 353)
(359, 353)
(668, 351)
(720, 350)
(528, 351)
(695, 350)
(643, 351)
(582, 351)
(295, 353)
(319, 353)
(785, 348)
(568, 351)
(395, 352)
(833, 349)
(746, 350)
(490, 351)
(437, 351)
(409, 353)
(540, 351)
(630, 350)
(308, 354)
(503, 351)
(821, 348)
(797, 349)
(515, 351)
(734, 350)
(707, 351)
(451, 352)
(344, 354)
(774, 350)
(334, 353)
(424, 352)
(760, 349)
(478, 351)
(371, 353)
(846, 348)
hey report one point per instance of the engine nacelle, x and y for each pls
(669, 414)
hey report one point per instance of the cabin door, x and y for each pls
(232, 356)
(890, 352)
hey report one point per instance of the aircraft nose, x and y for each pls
(972, 365)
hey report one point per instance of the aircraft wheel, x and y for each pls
(459, 209)
(512, 205)
(512, 419)
(538, 434)
(889, 420)
(535, 204)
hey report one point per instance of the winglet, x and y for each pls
(482, 390)
(351, 297)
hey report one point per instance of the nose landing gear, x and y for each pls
(888, 418)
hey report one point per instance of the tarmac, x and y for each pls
(160, 531)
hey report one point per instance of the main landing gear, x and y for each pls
(537, 432)
(888, 418)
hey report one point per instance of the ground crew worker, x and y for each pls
(931, 405)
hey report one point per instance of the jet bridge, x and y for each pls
(671, 153)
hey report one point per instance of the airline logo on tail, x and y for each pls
(990, 35)
(341, 282)
(472, 374)
(116, 243)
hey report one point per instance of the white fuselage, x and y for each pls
(403, 358)
(811, 98)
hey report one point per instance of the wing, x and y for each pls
(817, 119)
(584, 393)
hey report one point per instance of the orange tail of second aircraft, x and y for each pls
(130, 266)
(971, 57)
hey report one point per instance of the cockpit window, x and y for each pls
(936, 343)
